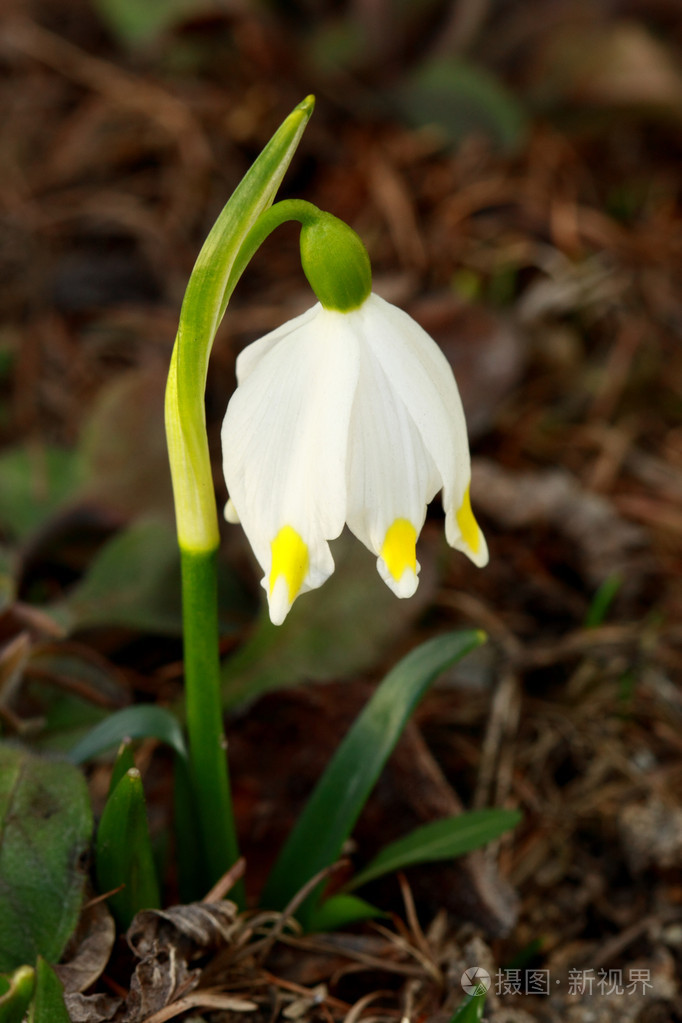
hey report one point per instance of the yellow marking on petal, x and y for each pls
(468, 526)
(289, 559)
(399, 548)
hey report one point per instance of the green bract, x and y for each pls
(206, 297)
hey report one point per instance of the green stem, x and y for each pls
(208, 290)
(271, 218)
(207, 744)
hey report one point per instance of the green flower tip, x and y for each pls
(335, 262)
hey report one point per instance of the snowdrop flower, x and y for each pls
(350, 414)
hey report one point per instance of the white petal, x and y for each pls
(391, 476)
(251, 356)
(230, 513)
(422, 379)
(284, 439)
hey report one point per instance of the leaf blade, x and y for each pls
(140, 722)
(48, 1003)
(439, 840)
(124, 851)
(341, 910)
(334, 806)
(45, 828)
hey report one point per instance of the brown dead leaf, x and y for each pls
(157, 982)
(166, 941)
(193, 929)
(91, 1008)
(88, 951)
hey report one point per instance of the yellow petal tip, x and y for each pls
(289, 561)
(398, 551)
(468, 526)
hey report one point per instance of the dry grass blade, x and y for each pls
(356, 1012)
(203, 999)
(226, 882)
(420, 946)
(385, 960)
(287, 916)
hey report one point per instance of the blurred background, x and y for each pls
(513, 167)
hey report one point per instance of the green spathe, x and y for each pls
(335, 262)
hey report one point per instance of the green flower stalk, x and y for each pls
(208, 291)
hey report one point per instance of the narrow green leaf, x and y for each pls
(438, 840)
(48, 1004)
(141, 722)
(335, 805)
(341, 910)
(470, 1011)
(45, 831)
(16, 992)
(602, 600)
(123, 853)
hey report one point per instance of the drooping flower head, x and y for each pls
(348, 414)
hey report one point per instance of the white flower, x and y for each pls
(345, 417)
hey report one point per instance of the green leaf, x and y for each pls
(48, 1004)
(15, 994)
(141, 722)
(133, 582)
(459, 99)
(135, 23)
(470, 1011)
(45, 829)
(438, 840)
(337, 801)
(340, 911)
(34, 482)
(123, 852)
(602, 600)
